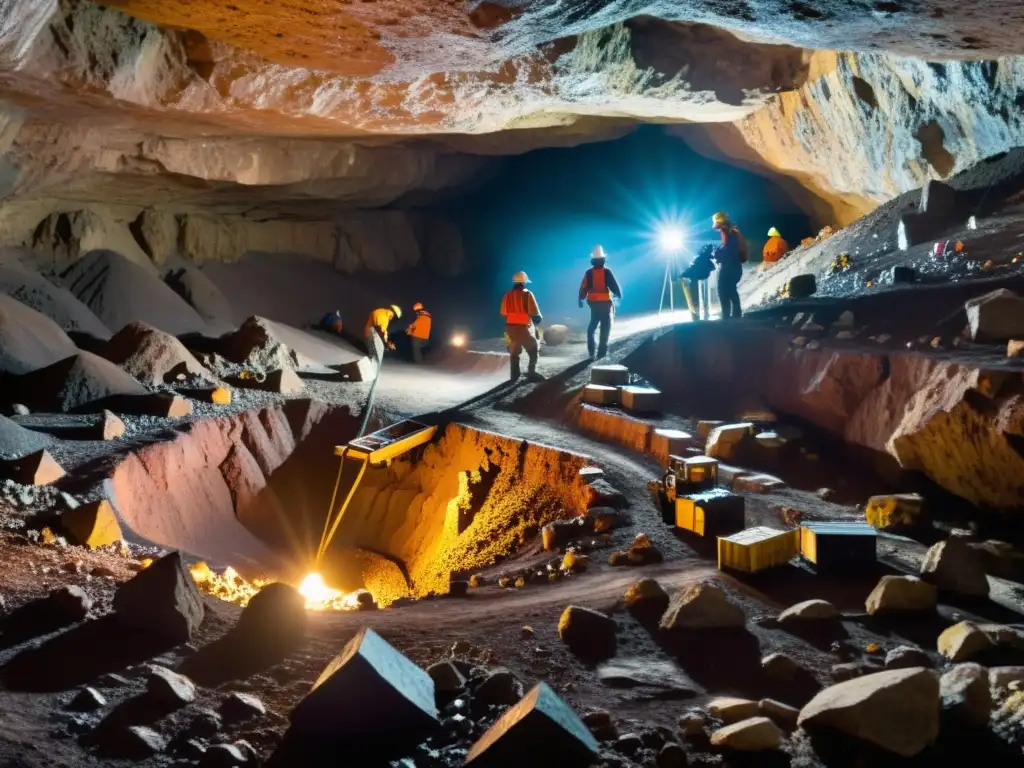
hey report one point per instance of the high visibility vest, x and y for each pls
(379, 318)
(597, 285)
(518, 307)
(420, 327)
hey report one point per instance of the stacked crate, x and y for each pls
(756, 549)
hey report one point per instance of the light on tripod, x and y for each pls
(670, 240)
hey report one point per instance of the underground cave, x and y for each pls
(511, 383)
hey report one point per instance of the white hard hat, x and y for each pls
(520, 277)
(598, 253)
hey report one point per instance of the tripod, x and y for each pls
(671, 272)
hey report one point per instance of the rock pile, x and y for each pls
(120, 292)
(155, 358)
(58, 304)
(29, 340)
(83, 381)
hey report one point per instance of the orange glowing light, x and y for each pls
(320, 597)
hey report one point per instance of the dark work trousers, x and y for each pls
(601, 314)
(417, 348)
(728, 293)
(518, 338)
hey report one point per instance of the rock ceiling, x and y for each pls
(256, 103)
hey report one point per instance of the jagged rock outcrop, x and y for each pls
(233, 84)
(871, 126)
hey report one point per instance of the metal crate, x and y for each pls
(756, 549)
(838, 546)
(711, 513)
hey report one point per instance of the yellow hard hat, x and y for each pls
(520, 277)
(720, 218)
(773, 232)
(397, 310)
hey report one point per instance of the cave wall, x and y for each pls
(867, 127)
(54, 235)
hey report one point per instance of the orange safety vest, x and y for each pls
(774, 249)
(597, 290)
(420, 327)
(518, 307)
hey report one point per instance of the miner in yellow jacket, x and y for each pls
(376, 330)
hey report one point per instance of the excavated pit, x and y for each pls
(252, 491)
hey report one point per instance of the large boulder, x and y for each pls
(555, 335)
(702, 606)
(276, 615)
(587, 632)
(961, 641)
(894, 510)
(953, 566)
(750, 735)
(369, 697)
(162, 599)
(901, 593)
(92, 525)
(726, 441)
(541, 730)
(965, 693)
(996, 316)
(897, 710)
(808, 610)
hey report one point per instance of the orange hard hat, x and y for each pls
(417, 307)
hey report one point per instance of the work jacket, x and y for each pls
(379, 319)
(419, 328)
(728, 253)
(519, 307)
(774, 249)
(599, 284)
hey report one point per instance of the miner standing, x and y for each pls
(419, 331)
(730, 255)
(598, 287)
(522, 325)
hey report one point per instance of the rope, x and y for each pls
(329, 530)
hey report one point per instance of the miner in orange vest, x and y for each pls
(419, 331)
(597, 288)
(522, 325)
(376, 330)
(774, 249)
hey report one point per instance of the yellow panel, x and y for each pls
(698, 520)
(809, 544)
(684, 513)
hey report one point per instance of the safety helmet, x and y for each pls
(520, 277)
(720, 219)
(598, 254)
(417, 307)
(773, 232)
(397, 310)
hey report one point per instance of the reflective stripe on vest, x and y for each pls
(598, 286)
(516, 307)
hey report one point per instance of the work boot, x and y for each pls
(534, 376)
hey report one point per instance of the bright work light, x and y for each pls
(670, 239)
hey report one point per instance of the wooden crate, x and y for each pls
(710, 513)
(756, 549)
(838, 546)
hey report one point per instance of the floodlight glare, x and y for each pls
(670, 239)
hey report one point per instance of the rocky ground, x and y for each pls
(126, 442)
